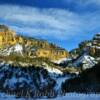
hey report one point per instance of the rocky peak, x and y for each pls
(92, 47)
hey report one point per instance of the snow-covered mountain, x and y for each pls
(92, 47)
(85, 61)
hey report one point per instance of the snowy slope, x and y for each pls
(52, 70)
(86, 61)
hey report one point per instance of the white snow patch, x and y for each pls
(86, 60)
(18, 48)
(61, 60)
(51, 69)
(14, 49)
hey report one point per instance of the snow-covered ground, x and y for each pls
(4, 96)
(68, 96)
(75, 96)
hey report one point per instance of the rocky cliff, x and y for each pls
(11, 43)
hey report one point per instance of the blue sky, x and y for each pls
(64, 22)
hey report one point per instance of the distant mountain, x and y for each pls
(85, 61)
(87, 54)
(92, 47)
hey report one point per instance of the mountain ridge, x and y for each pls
(30, 46)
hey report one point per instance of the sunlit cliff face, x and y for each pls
(42, 48)
(6, 36)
